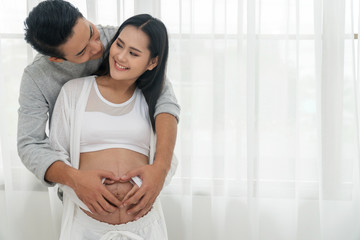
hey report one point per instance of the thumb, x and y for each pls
(130, 174)
(108, 174)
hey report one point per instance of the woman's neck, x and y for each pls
(108, 81)
(116, 91)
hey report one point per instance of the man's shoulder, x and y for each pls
(107, 33)
(45, 72)
(41, 67)
(107, 28)
(36, 74)
(38, 65)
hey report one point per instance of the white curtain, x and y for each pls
(268, 138)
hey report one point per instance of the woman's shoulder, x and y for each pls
(77, 84)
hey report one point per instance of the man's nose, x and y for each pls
(96, 46)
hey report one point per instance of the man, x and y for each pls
(72, 47)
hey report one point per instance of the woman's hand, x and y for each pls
(143, 198)
(87, 185)
(89, 188)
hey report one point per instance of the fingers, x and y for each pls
(108, 181)
(127, 176)
(91, 208)
(135, 198)
(142, 208)
(130, 193)
(103, 203)
(139, 199)
(142, 212)
(101, 207)
(108, 175)
(95, 208)
(108, 197)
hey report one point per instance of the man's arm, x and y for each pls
(167, 102)
(33, 144)
(153, 176)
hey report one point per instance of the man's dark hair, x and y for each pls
(49, 25)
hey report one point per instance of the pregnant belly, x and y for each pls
(119, 161)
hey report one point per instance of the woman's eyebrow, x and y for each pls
(129, 47)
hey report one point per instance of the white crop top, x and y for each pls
(108, 125)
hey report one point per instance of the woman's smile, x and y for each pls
(120, 67)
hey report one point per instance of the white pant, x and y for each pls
(150, 227)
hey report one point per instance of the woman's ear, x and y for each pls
(153, 63)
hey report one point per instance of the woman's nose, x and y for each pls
(121, 55)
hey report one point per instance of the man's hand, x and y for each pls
(87, 185)
(144, 197)
(89, 188)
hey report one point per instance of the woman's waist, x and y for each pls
(93, 147)
(112, 159)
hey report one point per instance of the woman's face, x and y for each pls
(129, 55)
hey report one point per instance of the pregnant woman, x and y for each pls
(106, 122)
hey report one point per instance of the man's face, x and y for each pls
(84, 44)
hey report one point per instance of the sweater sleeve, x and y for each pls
(167, 102)
(32, 141)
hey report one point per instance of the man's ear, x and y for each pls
(153, 63)
(55, 59)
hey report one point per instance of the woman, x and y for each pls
(106, 122)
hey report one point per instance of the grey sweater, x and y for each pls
(40, 85)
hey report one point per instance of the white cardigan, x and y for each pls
(65, 138)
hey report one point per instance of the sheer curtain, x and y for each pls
(268, 138)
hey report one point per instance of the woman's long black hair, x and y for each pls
(150, 82)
